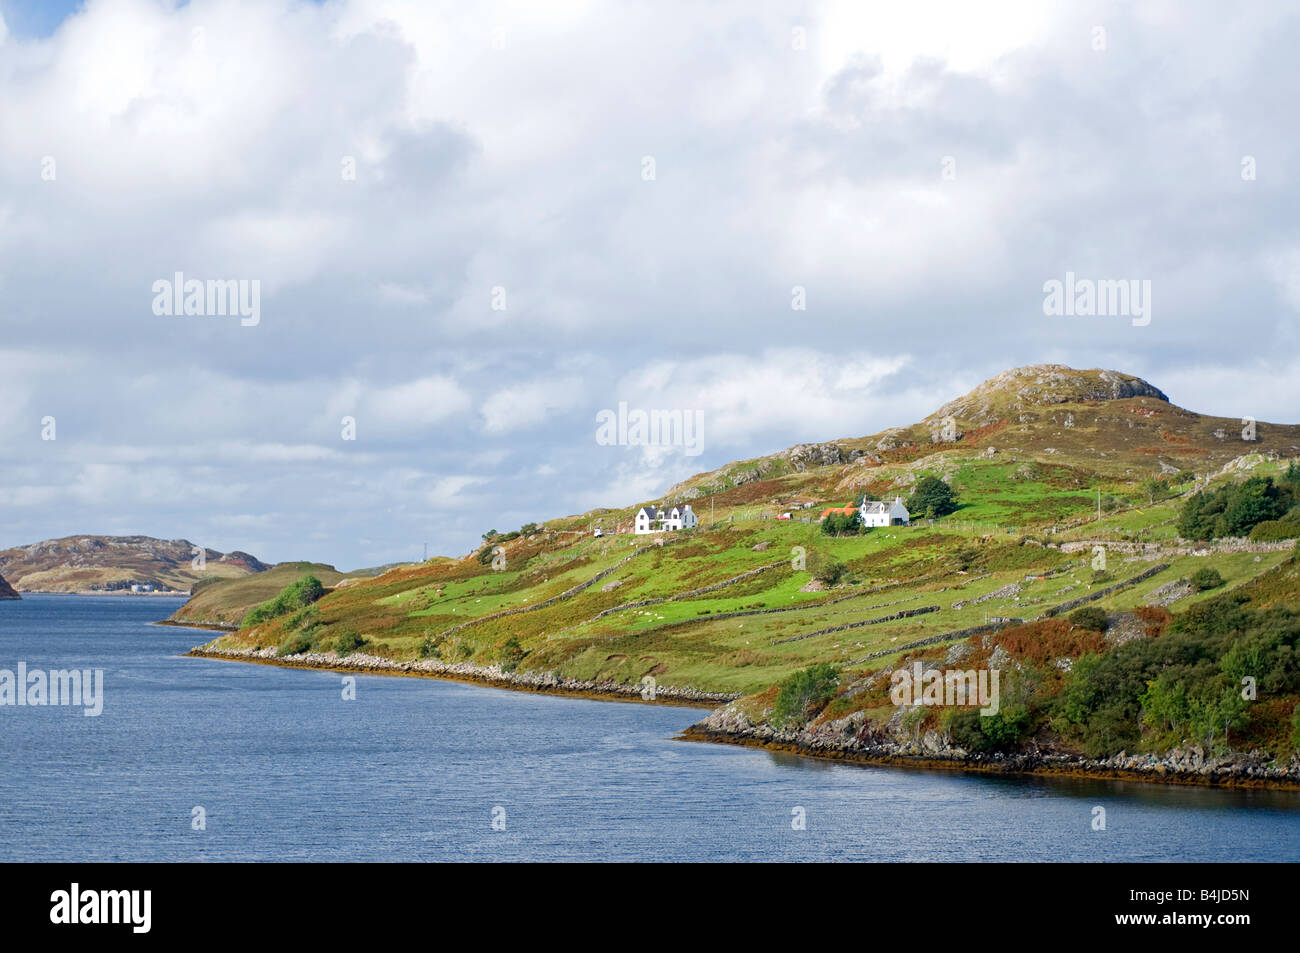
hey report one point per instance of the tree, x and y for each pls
(932, 499)
(1152, 488)
(1236, 509)
(841, 524)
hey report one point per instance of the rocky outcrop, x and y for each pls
(7, 591)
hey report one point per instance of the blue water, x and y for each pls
(413, 769)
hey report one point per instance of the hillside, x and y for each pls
(116, 563)
(7, 591)
(746, 602)
(224, 602)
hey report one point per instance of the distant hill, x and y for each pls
(226, 601)
(7, 591)
(116, 563)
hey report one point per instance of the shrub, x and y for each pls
(1206, 578)
(295, 596)
(1091, 618)
(512, 653)
(295, 644)
(831, 572)
(1271, 531)
(809, 687)
(347, 642)
(975, 732)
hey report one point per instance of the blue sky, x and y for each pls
(474, 229)
(38, 19)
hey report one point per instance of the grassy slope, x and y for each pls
(680, 642)
(227, 601)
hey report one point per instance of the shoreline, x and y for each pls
(170, 594)
(490, 676)
(210, 626)
(1060, 766)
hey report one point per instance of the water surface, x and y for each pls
(413, 769)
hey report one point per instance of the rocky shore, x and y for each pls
(850, 739)
(544, 682)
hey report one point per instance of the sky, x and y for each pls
(464, 232)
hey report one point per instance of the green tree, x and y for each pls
(931, 499)
(841, 524)
(1153, 489)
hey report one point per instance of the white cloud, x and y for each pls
(524, 405)
(220, 153)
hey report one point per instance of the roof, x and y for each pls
(648, 510)
(846, 510)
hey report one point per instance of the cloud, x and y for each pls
(381, 166)
(523, 405)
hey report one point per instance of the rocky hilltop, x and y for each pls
(117, 563)
(1104, 422)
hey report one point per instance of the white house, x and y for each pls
(679, 517)
(645, 520)
(882, 513)
(650, 519)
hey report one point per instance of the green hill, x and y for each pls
(224, 602)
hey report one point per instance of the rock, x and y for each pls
(805, 455)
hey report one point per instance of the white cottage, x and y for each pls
(679, 517)
(645, 520)
(883, 513)
(650, 519)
